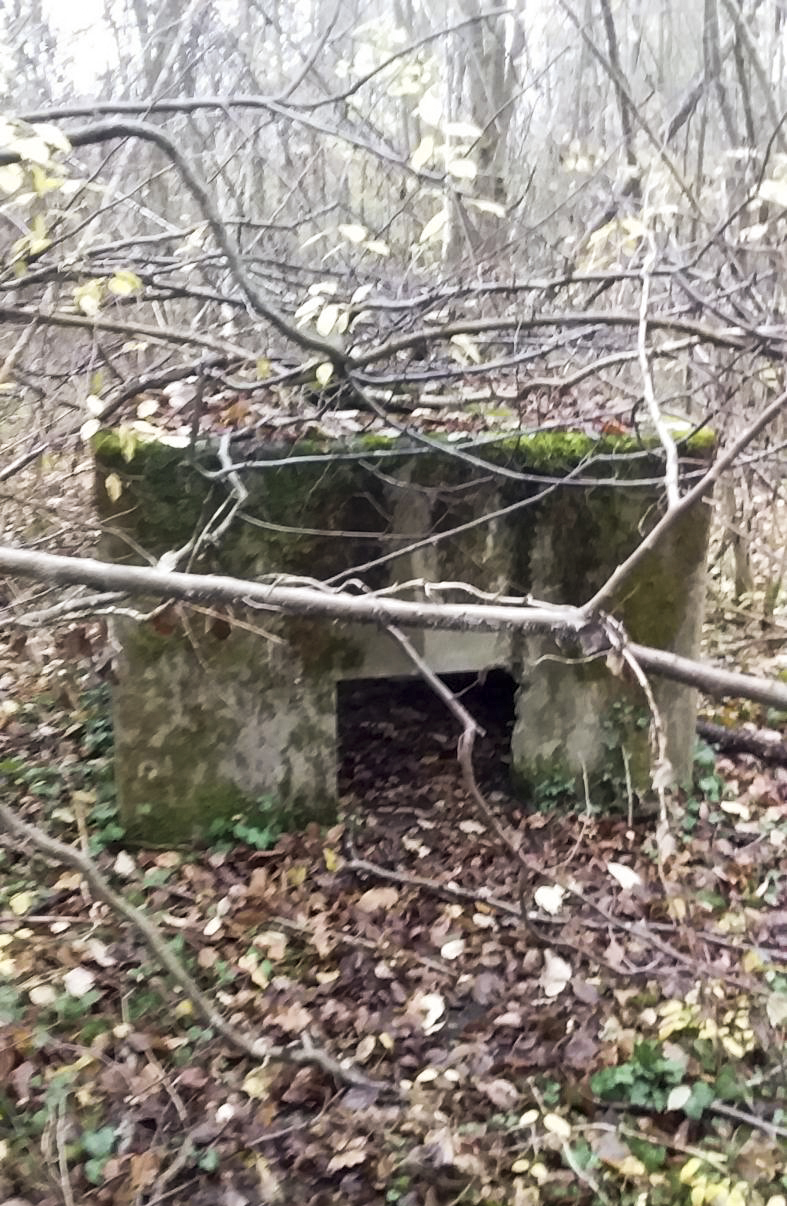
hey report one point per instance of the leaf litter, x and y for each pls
(614, 1044)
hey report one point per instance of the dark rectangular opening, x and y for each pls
(397, 737)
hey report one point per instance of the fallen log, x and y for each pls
(744, 741)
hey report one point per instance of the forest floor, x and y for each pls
(622, 1043)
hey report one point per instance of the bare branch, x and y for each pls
(370, 609)
(616, 580)
(259, 1048)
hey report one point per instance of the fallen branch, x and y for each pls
(343, 1071)
(741, 741)
(528, 917)
(372, 609)
(362, 866)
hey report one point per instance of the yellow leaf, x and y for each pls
(87, 297)
(463, 129)
(557, 1125)
(42, 995)
(468, 346)
(83, 799)
(630, 1166)
(69, 881)
(113, 486)
(124, 283)
(31, 149)
(422, 153)
(775, 191)
(42, 181)
(53, 136)
(349, 1158)
(732, 1046)
(21, 902)
(751, 961)
(257, 1084)
(352, 233)
(307, 310)
(434, 226)
(430, 108)
(273, 942)
(329, 287)
(127, 442)
(717, 1192)
(462, 168)
(776, 1008)
(690, 1168)
(327, 319)
(323, 373)
(487, 207)
(332, 860)
(11, 178)
(365, 1048)
(377, 898)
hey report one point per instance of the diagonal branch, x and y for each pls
(649, 542)
(259, 1048)
(109, 131)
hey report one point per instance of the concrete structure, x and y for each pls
(220, 716)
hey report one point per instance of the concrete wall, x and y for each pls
(213, 719)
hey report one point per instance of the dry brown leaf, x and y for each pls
(349, 1158)
(501, 1093)
(292, 1019)
(365, 1048)
(377, 898)
(144, 1167)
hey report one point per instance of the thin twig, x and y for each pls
(260, 1048)
(660, 427)
(470, 729)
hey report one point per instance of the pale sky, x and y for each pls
(86, 45)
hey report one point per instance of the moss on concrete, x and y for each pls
(322, 648)
(206, 725)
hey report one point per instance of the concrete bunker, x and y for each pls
(215, 712)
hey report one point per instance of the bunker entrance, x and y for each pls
(397, 739)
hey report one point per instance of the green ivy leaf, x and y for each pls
(702, 1094)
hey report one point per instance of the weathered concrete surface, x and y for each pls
(581, 722)
(210, 726)
(211, 718)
